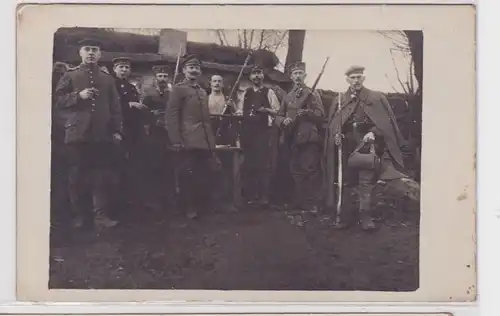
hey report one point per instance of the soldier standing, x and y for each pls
(134, 119)
(190, 132)
(301, 115)
(365, 125)
(92, 133)
(260, 105)
(159, 161)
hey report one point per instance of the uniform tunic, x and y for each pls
(188, 123)
(133, 118)
(158, 163)
(89, 133)
(303, 139)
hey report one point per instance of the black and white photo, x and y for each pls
(209, 159)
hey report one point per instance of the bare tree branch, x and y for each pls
(220, 35)
(397, 71)
(261, 40)
(239, 39)
(251, 38)
(245, 39)
(392, 86)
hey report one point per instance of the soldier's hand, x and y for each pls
(287, 121)
(137, 105)
(369, 137)
(117, 138)
(337, 139)
(262, 110)
(86, 93)
(302, 112)
(156, 112)
(176, 147)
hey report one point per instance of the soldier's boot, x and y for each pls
(366, 220)
(101, 220)
(191, 213)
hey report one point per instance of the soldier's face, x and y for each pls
(122, 71)
(216, 83)
(356, 81)
(90, 54)
(191, 71)
(162, 78)
(298, 76)
(257, 77)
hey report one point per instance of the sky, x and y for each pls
(370, 49)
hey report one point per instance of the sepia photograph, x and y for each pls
(258, 157)
(210, 159)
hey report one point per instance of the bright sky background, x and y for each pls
(345, 48)
(367, 48)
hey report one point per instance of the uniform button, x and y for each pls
(125, 92)
(123, 86)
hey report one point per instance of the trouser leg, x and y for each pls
(365, 189)
(194, 177)
(104, 183)
(80, 197)
(305, 171)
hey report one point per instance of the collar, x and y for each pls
(89, 66)
(299, 86)
(193, 84)
(256, 89)
(157, 87)
(361, 95)
(217, 94)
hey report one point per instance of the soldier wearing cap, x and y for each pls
(189, 129)
(367, 130)
(159, 165)
(301, 115)
(260, 105)
(134, 117)
(92, 132)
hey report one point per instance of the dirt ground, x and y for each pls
(249, 250)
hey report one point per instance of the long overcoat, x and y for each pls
(379, 111)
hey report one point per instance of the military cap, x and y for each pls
(298, 65)
(191, 60)
(161, 69)
(354, 70)
(90, 42)
(121, 61)
(256, 68)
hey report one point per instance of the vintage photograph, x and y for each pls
(235, 159)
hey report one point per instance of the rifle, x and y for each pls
(305, 101)
(340, 169)
(177, 65)
(228, 110)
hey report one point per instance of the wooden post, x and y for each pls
(237, 198)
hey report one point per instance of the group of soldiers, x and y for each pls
(103, 121)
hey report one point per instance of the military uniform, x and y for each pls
(188, 124)
(362, 112)
(134, 120)
(90, 131)
(256, 137)
(158, 163)
(304, 141)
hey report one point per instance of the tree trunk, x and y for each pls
(295, 46)
(416, 40)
